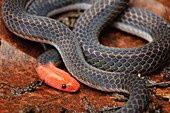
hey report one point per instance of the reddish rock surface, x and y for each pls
(17, 58)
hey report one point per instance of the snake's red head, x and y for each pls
(57, 78)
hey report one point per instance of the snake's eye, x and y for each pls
(64, 86)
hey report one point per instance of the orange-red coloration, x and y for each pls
(56, 77)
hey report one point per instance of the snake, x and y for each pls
(99, 67)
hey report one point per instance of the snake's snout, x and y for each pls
(72, 86)
(57, 78)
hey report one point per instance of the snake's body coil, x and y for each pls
(142, 59)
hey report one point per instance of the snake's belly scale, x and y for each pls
(42, 29)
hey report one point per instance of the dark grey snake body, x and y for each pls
(142, 59)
